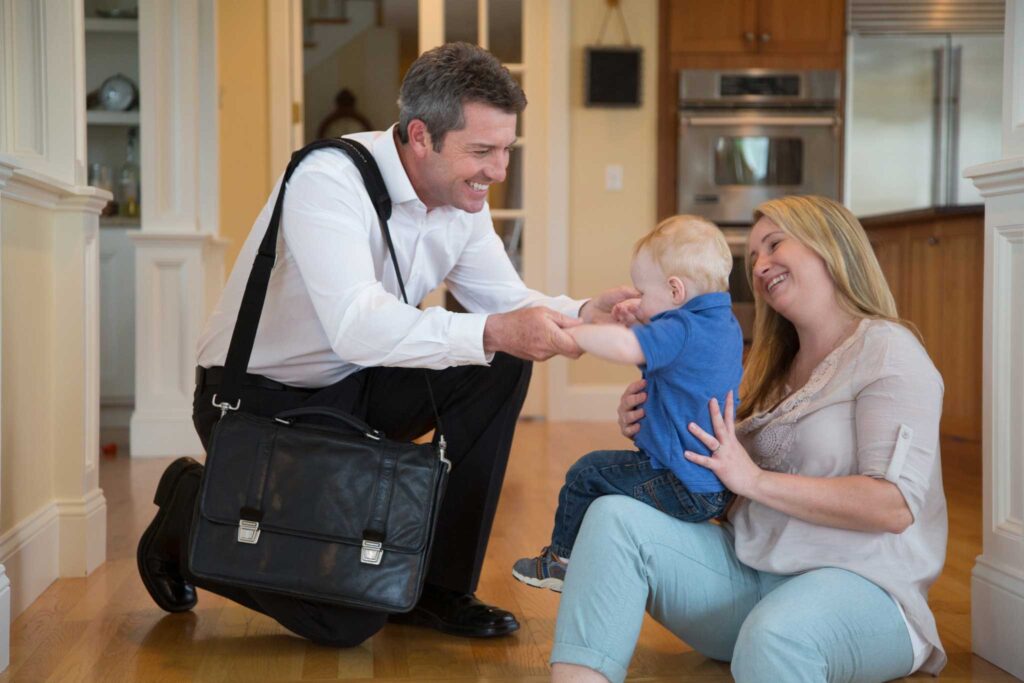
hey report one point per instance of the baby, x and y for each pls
(690, 348)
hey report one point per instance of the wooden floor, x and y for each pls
(105, 627)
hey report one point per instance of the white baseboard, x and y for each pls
(585, 402)
(115, 421)
(156, 435)
(30, 554)
(83, 534)
(5, 620)
(997, 612)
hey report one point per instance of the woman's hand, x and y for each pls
(728, 459)
(630, 412)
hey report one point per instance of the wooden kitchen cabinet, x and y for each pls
(934, 263)
(698, 27)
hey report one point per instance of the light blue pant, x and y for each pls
(824, 625)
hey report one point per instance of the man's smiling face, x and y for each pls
(470, 161)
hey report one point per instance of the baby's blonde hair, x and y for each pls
(692, 248)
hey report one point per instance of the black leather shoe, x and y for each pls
(162, 544)
(459, 614)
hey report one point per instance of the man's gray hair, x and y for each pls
(443, 79)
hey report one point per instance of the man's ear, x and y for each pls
(678, 290)
(420, 141)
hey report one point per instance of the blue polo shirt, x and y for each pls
(693, 353)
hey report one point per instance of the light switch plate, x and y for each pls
(613, 177)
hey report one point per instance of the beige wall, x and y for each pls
(244, 121)
(368, 67)
(603, 224)
(28, 337)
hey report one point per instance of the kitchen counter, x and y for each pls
(905, 218)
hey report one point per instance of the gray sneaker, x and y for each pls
(543, 571)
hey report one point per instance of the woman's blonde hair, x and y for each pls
(833, 233)
(690, 247)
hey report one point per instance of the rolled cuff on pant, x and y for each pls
(564, 653)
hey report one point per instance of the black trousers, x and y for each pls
(478, 405)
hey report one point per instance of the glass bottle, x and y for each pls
(128, 181)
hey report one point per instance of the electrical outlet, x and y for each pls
(613, 177)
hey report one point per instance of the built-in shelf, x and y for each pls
(120, 222)
(100, 117)
(103, 25)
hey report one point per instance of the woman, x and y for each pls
(840, 528)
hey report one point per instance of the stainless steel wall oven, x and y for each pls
(748, 136)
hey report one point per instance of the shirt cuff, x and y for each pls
(466, 339)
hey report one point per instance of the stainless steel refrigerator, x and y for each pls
(920, 109)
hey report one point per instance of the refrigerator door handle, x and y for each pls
(939, 126)
(953, 165)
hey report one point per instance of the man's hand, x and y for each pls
(531, 333)
(599, 309)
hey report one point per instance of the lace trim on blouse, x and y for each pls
(771, 432)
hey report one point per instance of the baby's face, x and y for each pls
(653, 285)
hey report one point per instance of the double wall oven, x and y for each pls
(749, 136)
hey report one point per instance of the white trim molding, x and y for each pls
(997, 581)
(175, 275)
(1013, 73)
(44, 191)
(42, 86)
(30, 554)
(179, 263)
(5, 619)
(83, 533)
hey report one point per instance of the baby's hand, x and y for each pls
(627, 312)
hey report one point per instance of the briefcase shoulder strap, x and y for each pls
(243, 337)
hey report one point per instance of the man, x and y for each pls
(334, 333)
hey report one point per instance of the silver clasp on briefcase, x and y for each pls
(373, 552)
(248, 532)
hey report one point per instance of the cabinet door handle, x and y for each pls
(765, 37)
(748, 36)
(932, 241)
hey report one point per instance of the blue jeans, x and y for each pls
(629, 473)
(823, 625)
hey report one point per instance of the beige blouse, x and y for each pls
(871, 407)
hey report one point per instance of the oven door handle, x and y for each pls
(760, 120)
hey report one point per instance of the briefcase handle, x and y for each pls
(355, 423)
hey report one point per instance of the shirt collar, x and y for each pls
(385, 151)
(705, 301)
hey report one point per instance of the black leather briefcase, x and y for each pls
(331, 513)
(313, 503)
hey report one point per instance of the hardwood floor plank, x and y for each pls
(106, 628)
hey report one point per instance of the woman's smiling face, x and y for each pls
(790, 276)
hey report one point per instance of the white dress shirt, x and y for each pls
(333, 304)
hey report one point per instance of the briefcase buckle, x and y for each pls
(248, 532)
(372, 553)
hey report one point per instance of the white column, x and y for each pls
(178, 259)
(81, 506)
(5, 583)
(997, 583)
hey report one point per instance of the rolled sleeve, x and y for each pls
(897, 418)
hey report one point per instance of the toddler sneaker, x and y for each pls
(543, 571)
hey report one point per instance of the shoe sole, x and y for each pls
(549, 583)
(164, 492)
(417, 618)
